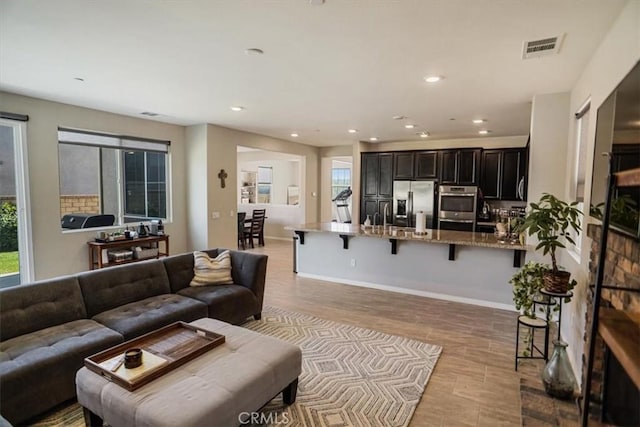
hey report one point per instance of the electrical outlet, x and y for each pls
(215, 215)
(353, 262)
(231, 213)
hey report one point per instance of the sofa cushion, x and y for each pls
(37, 370)
(39, 305)
(113, 287)
(138, 318)
(180, 269)
(229, 303)
(211, 270)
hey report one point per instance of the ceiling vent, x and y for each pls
(149, 113)
(542, 47)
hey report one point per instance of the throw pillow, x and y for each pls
(211, 271)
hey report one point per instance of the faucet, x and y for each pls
(374, 218)
(384, 219)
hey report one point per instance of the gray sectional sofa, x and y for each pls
(47, 328)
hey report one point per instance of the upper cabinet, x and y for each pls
(426, 165)
(460, 167)
(377, 175)
(491, 173)
(403, 165)
(504, 174)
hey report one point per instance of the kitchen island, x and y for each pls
(459, 266)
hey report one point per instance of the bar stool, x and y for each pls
(541, 299)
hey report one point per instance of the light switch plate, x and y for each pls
(215, 215)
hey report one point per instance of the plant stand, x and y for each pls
(556, 299)
(533, 324)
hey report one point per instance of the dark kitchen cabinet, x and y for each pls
(468, 167)
(426, 166)
(511, 174)
(504, 174)
(490, 176)
(385, 182)
(377, 175)
(403, 165)
(376, 183)
(372, 206)
(448, 167)
(460, 167)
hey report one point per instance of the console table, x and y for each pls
(96, 249)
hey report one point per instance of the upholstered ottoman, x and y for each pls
(239, 376)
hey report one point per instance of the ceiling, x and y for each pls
(325, 68)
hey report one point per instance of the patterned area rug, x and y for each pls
(350, 376)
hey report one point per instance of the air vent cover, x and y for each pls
(149, 113)
(542, 47)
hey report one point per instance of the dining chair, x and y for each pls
(256, 229)
(241, 239)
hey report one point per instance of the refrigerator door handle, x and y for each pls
(410, 209)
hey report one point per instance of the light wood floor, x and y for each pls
(474, 383)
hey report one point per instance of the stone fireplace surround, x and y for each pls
(622, 268)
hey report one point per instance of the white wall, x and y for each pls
(610, 63)
(548, 149)
(56, 253)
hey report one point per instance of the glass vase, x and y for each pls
(557, 375)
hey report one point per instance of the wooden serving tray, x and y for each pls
(163, 351)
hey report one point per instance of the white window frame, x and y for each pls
(23, 199)
(121, 143)
(581, 144)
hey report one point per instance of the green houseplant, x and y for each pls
(551, 220)
(526, 284)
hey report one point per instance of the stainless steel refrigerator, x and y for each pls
(410, 197)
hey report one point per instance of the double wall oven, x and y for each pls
(457, 207)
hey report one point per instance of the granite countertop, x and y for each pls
(463, 238)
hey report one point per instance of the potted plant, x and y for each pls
(526, 284)
(552, 220)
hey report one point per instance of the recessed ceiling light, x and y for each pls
(254, 51)
(352, 130)
(295, 135)
(399, 117)
(409, 126)
(80, 79)
(424, 134)
(478, 121)
(484, 132)
(373, 138)
(237, 108)
(432, 79)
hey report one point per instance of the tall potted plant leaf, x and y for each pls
(552, 221)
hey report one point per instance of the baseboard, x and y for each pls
(433, 295)
(288, 239)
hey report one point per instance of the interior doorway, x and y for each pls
(16, 261)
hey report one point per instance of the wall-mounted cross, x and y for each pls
(222, 175)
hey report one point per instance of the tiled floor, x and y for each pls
(474, 382)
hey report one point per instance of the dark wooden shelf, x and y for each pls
(96, 249)
(620, 330)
